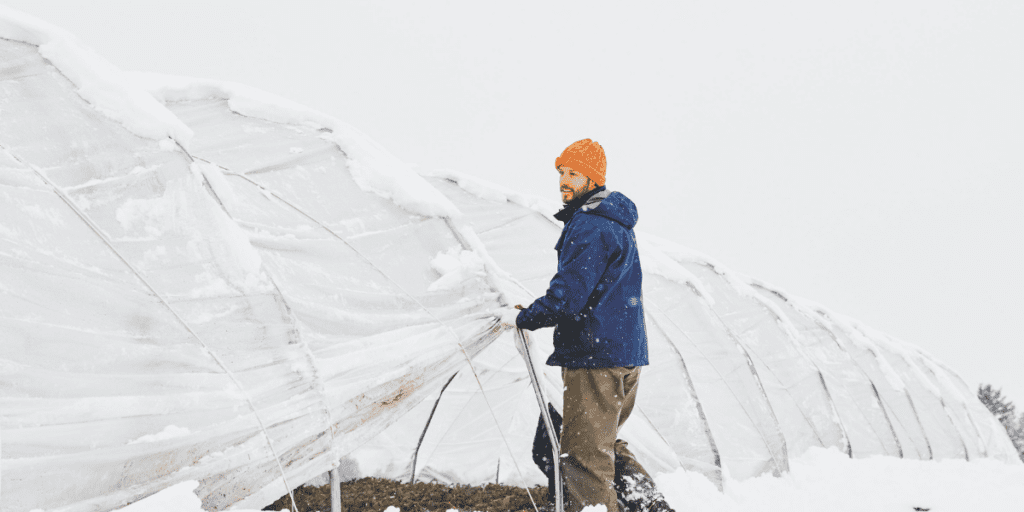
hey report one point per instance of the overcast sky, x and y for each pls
(868, 155)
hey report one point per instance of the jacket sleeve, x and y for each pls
(581, 263)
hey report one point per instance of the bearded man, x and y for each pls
(595, 304)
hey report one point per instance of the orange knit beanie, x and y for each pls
(585, 157)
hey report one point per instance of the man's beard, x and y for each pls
(576, 194)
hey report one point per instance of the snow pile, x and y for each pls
(824, 479)
(99, 82)
(176, 498)
(456, 266)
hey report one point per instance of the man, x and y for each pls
(595, 303)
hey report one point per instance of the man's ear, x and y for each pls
(591, 184)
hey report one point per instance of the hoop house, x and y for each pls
(200, 281)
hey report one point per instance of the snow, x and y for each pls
(456, 266)
(169, 432)
(374, 169)
(826, 479)
(510, 290)
(497, 193)
(176, 498)
(99, 82)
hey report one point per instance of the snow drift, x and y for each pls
(199, 281)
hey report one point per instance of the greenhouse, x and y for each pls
(201, 281)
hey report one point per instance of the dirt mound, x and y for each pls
(377, 494)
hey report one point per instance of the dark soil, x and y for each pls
(377, 494)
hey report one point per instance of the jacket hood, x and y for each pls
(614, 206)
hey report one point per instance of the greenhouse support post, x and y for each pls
(335, 491)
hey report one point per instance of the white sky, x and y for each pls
(867, 154)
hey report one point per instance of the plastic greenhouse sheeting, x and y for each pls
(200, 281)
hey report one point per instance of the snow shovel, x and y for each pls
(523, 345)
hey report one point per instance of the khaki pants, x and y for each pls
(597, 402)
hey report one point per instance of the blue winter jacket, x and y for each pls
(594, 300)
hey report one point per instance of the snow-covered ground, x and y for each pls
(820, 480)
(826, 480)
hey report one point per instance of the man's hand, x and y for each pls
(509, 315)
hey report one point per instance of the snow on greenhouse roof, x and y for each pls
(371, 165)
(98, 81)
